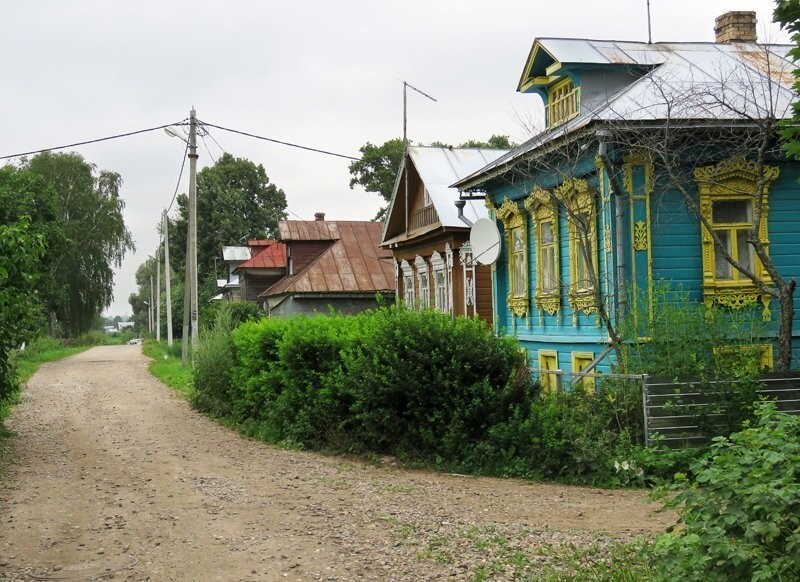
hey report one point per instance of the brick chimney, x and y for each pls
(736, 26)
(319, 216)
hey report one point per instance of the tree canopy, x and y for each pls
(377, 169)
(20, 254)
(89, 236)
(235, 202)
(787, 14)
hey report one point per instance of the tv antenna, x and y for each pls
(407, 86)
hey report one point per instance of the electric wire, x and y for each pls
(180, 176)
(89, 141)
(286, 143)
(211, 135)
(208, 151)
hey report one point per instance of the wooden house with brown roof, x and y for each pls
(331, 265)
(429, 237)
(266, 267)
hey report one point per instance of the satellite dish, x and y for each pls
(484, 238)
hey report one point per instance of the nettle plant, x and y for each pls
(740, 518)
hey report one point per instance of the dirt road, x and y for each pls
(115, 477)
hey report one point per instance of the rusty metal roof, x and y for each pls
(268, 256)
(290, 230)
(353, 264)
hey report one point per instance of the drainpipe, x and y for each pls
(460, 205)
(608, 166)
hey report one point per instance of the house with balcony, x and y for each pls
(428, 234)
(653, 165)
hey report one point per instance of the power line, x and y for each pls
(211, 135)
(80, 143)
(286, 143)
(178, 185)
(208, 151)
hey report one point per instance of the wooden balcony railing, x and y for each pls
(422, 217)
(564, 108)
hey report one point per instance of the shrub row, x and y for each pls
(418, 385)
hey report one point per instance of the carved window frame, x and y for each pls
(515, 223)
(408, 283)
(440, 291)
(730, 180)
(578, 199)
(424, 281)
(543, 207)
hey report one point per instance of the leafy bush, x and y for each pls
(213, 363)
(424, 384)
(421, 385)
(740, 519)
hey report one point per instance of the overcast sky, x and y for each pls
(325, 74)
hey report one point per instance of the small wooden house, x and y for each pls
(429, 236)
(331, 264)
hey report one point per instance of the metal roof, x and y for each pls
(308, 230)
(438, 168)
(271, 256)
(353, 264)
(688, 82)
(235, 253)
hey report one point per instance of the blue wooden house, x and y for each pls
(647, 149)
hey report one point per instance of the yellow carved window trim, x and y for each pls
(731, 181)
(581, 208)
(544, 209)
(579, 362)
(548, 361)
(563, 102)
(516, 228)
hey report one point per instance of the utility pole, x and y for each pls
(158, 294)
(165, 230)
(150, 308)
(190, 286)
(193, 222)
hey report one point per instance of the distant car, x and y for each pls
(135, 341)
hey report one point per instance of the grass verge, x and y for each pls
(167, 367)
(542, 555)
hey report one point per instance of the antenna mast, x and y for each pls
(649, 32)
(406, 86)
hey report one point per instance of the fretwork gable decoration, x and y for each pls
(514, 221)
(732, 180)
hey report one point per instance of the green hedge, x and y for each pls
(417, 384)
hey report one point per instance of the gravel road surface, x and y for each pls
(110, 475)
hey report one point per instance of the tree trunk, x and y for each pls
(784, 360)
